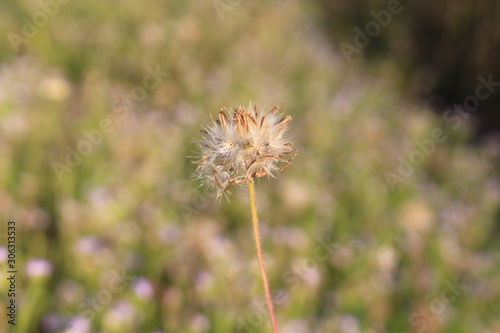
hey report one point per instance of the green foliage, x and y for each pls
(136, 246)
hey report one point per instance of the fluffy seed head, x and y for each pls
(243, 144)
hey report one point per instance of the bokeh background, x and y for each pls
(387, 220)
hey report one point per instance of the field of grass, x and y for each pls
(386, 221)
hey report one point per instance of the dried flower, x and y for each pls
(244, 144)
(241, 145)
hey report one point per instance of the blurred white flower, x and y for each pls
(55, 88)
(348, 324)
(143, 288)
(78, 324)
(3, 254)
(296, 194)
(69, 291)
(385, 257)
(38, 268)
(200, 323)
(87, 245)
(14, 126)
(51, 322)
(122, 314)
(168, 234)
(416, 216)
(204, 280)
(308, 271)
(296, 326)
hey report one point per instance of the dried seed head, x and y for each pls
(243, 144)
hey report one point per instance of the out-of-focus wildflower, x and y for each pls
(143, 288)
(416, 216)
(69, 291)
(200, 323)
(348, 324)
(78, 324)
(54, 88)
(169, 233)
(385, 258)
(88, 245)
(243, 144)
(38, 268)
(296, 326)
(51, 322)
(121, 315)
(3, 254)
(14, 126)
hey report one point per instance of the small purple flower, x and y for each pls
(38, 268)
(143, 288)
(3, 254)
(78, 324)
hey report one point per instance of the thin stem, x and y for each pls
(256, 235)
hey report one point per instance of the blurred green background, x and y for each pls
(439, 48)
(387, 220)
